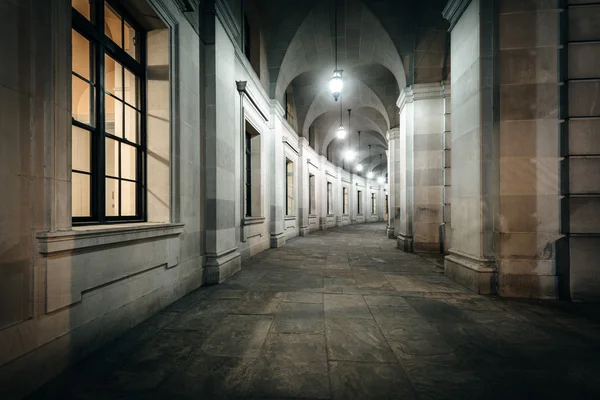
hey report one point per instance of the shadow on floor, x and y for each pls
(343, 314)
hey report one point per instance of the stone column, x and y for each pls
(392, 138)
(447, 162)
(303, 190)
(427, 167)
(222, 255)
(322, 203)
(404, 181)
(474, 173)
(277, 178)
(338, 199)
(528, 229)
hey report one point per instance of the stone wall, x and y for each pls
(580, 213)
(528, 238)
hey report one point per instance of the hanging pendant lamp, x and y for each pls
(359, 167)
(341, 132)
(336, 83)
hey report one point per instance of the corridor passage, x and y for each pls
(343, 314)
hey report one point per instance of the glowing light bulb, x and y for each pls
(336, 84)
(359, 167)
(370, 175)
(341, 132)
(381, 180)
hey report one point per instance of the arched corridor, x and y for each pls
(342, 314)
(299, 198)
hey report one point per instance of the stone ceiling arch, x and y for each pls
(356, 96)
(362, 40)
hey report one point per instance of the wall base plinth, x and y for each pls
(405, 243)
(476, 275)
(304, 231)
(221, 266)
(277, 240)
(390, 233)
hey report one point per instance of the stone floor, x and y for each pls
(342, 314)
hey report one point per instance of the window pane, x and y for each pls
(113, 116)
(128, 197)
(80, 50)
(131, 89)
(130, 41)
(112, 157)
(113, 77)
(112, 197)
(132, 119)
(128, 161)
(83, 6)
(80, 149)
(112, 25)
(82, 100)
(80, 195)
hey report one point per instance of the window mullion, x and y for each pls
(101, 126)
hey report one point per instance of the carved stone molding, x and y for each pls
(454, 10)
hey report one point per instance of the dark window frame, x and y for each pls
(248, 174)
(101, 45)
(373, 207)
(345, 201)
(359, 201)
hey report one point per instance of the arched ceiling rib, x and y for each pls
(361, 40)
(356, 96)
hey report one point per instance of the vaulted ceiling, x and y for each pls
(382, 46)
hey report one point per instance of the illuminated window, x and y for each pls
(359, 201)
(108, 131)
(252, 163)
(311, 194)
(289, 187)
(345, 203)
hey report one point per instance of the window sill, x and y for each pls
(290, 217)
(253, 220)
(85, 237)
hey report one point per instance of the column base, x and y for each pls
(323, 224)
(221, 266)
(338, 221)
(390, 233)
(405, 243)
(277, 240)
(475, 274)
(304, 231)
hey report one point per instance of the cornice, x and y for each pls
(425, 91)
(454, 10)
(393, 133)
(406, 96)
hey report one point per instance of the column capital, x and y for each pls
(406, 96)
(454, 10)
(426, 91)
(393, 133)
